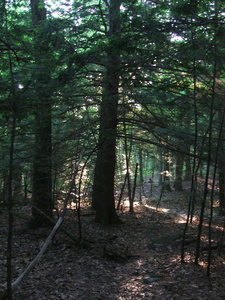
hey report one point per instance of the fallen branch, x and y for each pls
(61, 227)
(35, 261)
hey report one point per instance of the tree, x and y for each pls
(179, 173)
(42, 168)
(103, 186)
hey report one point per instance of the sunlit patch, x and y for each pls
(20, 86)
(176, 38)
(203, 264)
(181, 218)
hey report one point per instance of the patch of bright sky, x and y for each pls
(176, 38)
(59, 8)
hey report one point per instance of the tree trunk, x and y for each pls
(222, 189)
(221, 160)
(141, 165)
(166, 183)
(42, 168)
(134, 189)
(42, 179)
(188, 168)
(160, 166)
(103, 186)
(179, 166)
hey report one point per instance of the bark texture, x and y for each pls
(103, 187)
(42, 169)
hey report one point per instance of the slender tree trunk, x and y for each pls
(209, 157)
(121, 192)
(160, 166)
(166, 184)
(141, 165)
(103, 187)
(179, 172)
(212, 191)
(134, 189)
(4, 191)
(222, 189)
(221, 160)
(191, 202)
(127, 156)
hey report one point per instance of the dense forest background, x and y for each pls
(100, 97)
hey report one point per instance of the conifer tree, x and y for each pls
(42, 168)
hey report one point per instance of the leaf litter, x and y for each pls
(139, 259)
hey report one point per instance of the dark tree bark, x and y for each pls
(10, 186)
(103, 186)
(222, 189)
(160, 166)
(221, 160)
(42, 168)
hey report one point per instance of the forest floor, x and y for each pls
(139, 259)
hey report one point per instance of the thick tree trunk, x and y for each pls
(42, 168)
(103, 186)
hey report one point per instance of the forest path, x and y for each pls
(139, 259)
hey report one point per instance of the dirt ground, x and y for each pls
(140, 259)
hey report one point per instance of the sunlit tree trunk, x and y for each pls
(166, 172)
(103, 186)
(140, 153)
(179, 173)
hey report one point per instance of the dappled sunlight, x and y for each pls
(179, 216)
(140, 259)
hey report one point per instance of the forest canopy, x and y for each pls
(100, 86)
(78, 78)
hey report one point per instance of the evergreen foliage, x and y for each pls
(168, 60)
